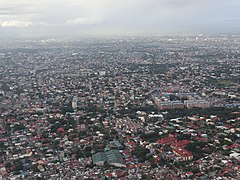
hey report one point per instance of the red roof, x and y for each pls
(2, 131)
(228, 126)
(60, 130)
(201, 139)
(130, 166)
(125, 151)
(180, 143)
(131, 143)
(182, 152)
(167, 140)
(232, 146)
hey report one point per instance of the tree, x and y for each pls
(18, 127)
(8, 165)
(142, 153)
(18, 166)
(66, 109)
(151, 137)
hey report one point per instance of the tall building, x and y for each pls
(75, 102)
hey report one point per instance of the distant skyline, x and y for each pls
(50, 18)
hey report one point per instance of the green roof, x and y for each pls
(100, 156)
(112, 156)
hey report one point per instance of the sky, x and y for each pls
(117, 17)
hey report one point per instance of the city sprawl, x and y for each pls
(164, 107)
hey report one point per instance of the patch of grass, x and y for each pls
(225, 83)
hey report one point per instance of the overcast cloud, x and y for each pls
(46, 17)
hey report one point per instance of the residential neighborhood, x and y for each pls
(123, 108)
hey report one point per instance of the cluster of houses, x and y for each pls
(77, 111)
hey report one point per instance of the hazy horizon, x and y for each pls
(74, 18)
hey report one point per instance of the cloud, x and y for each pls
(15, 23)
(84, 21)
(231, 20)
(14, 10)
(123, 16)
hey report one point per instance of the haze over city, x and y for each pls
(30, 18)
(119, 89)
